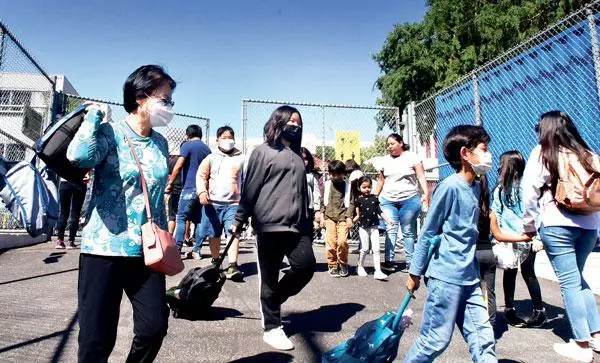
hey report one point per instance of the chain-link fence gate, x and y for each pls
(174, 133)
(329, 132)
(558, 69)
(26, 104)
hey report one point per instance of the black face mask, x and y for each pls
(292, 133)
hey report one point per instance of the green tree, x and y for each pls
(454, 38)
(378, 148)
(329, 153)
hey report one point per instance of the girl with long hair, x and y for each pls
(568, 238)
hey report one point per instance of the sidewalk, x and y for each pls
(38, 311)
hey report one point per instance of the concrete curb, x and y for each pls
(13, 238)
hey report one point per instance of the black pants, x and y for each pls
(271, 248)
(528, 272)
(102, 280)
(487, 269)
(70, 197)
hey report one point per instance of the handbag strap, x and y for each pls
(143, 179)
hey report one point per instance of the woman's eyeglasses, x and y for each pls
(164, 101)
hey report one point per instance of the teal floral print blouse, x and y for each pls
(117, 202)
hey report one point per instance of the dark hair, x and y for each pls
(556, 131)
(398, 139)
(512, 166)
(484, 209)
(193, 131)
(310, 161)
(337, 166)
(363, 179)
(463, 135)
(351, 165)
(274, 126)
(223, 129)
(142, 83)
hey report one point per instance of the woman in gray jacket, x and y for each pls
(275, 195)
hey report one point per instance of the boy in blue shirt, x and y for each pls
(455, 296)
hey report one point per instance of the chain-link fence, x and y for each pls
(26, 103)
(329, 132)
(558, 69)
(174, 133)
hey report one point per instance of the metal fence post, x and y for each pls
(477, 100)
(1, 45)
(208, 132)
(244, 123)
(323, 134)
(595, 50)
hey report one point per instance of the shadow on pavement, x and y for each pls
(216, 313)
(53, 257)
(38, 276)
(326, 319)
(557, 318)
(63, 334)
(275, 357)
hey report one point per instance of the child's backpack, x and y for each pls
(52, 146)
(31, 195)
(577, 191)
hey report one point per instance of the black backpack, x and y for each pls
(52, 147)
(193, 297)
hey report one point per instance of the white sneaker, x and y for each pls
(361, 271)
(277, 339)
(573, 351)
(379, 275)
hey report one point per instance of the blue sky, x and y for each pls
(218, 51)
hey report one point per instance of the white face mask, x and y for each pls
(485, 162)
(159, 113)
(226, 144)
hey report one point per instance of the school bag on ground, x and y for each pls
(578, 190)
(51, 148)
(30, 195)
(198, 290)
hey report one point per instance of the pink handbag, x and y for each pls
(159, 247)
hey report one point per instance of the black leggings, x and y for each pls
(528, 272)
(271, 248)
(71, 199)
(487, 269)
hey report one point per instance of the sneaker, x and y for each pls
(196, 255)
(537, 319)
(233, 273)
(573, 351)
(71, 245)
(214, 261)
(189, 242)
(60, 245)
(277, 339)
(343, 270)
(361, 271)
(334, 272)
(355, 251)
(379, 275)
(388, 266)
(406, 268)
(513, 319)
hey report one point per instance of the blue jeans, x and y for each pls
(188, 197)
(568, 249)
(215, 219)
(446, 305)
(404, 214)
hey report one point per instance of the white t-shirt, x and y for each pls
(400, 177)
